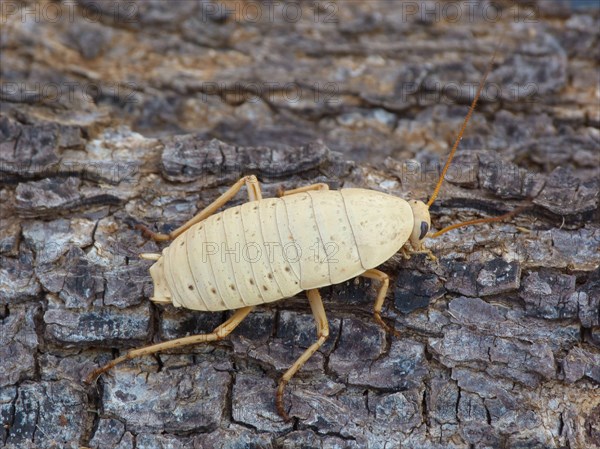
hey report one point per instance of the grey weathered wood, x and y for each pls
(500, 340)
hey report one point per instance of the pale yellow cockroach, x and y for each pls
(273, 248)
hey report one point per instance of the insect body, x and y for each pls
(269, 249)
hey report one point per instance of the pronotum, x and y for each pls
(356, 230)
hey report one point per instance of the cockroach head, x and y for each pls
(422, 222)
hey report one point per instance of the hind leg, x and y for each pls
(218, 334)
(254, 193)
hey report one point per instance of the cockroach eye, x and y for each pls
(424, 230)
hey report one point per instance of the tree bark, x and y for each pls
(117, 114)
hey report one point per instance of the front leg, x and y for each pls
(409, 249)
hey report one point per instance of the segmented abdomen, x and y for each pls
(266, 250)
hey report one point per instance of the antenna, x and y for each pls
(502, 217)
(436, 191)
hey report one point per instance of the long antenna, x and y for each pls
(502, 217)
(436, 191)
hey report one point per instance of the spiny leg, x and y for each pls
(218, 334)
(316, 305)
(407, 252)
(383, 288)
(150, 256)
(253, 186)
(253, 194)
(318, 186)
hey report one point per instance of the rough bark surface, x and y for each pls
(115, 114)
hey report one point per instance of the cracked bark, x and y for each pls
(500, 343)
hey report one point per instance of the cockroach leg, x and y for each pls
(319, 186)
(254, 193)
(316, 305)
(383, 288)
(218, 334)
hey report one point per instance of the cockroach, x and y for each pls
(269, 249)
